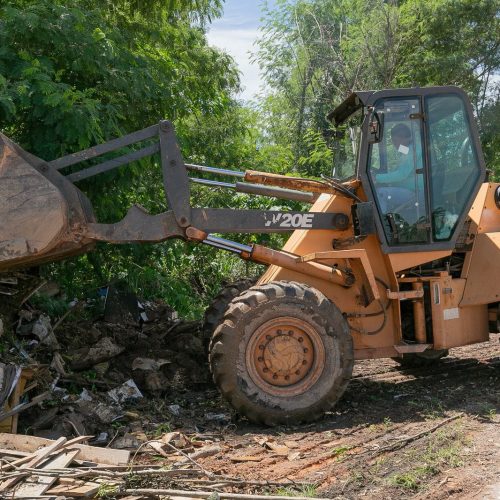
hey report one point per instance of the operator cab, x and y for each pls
(420, 161)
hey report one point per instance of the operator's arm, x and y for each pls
(400, 174)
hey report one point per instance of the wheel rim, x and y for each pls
(285, 356)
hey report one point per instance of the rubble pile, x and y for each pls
(116, 378)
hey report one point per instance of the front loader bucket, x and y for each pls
(42, 214)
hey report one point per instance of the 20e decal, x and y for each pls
(303, 221)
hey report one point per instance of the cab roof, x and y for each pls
(350, 105)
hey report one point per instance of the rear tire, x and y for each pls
(283, 354)
(418, 359)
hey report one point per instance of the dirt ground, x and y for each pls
(430, 432)
(397, 433)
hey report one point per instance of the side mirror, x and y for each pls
(375, 127)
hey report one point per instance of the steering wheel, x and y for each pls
(405, 206)
(466, 155)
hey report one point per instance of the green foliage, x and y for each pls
(318, 156)
(71, 77)
(49, 305)
(490, 133)
(308, 490)
(315, 52)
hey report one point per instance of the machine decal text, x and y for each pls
(291, 220)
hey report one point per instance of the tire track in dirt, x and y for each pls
(408, 375)
(340, 452)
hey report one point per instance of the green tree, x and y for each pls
(315, 52)
(74, 73)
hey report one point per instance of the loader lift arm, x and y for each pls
(177, 193)
(198, 224)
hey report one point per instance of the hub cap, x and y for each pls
(285, 356)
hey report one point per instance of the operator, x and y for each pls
(397, 188)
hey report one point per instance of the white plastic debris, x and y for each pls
(128, 391)
(43, 330)
(102, 438)
(175, 410)
(85, 395)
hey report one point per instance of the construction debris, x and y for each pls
(128, 391)
(103, 350)
(71, 469)
(97, 372)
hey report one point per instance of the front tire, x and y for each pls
(215, 312)
(283, 354)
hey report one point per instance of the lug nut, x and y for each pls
(306, 350)
(301, 339)
(297, 372)
(265, 370)
(275, 376)
(304, 362)
(290, 332)
(287, 377)
(279, 332)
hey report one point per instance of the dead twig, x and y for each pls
(25, 406)
(202, 494)
(209, 474)
(76, 307)
(113, 438)
(30, 294)
(408, 439)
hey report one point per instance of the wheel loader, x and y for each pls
(397, 257)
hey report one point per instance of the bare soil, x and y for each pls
(430, 432)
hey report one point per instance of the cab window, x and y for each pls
(454, 162)
(396, 171)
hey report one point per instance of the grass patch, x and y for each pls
(444, 450)
(339, 451)
(107, 490)
(308, 490)
(489, 413)
(429, 407)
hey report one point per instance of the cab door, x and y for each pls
(396, 169)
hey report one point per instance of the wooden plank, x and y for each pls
(78, 489)
(8, 379)
(33, 462)
(69, 443)
(34, 486)
(30, 444)
(26, 374)
(13, 453)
